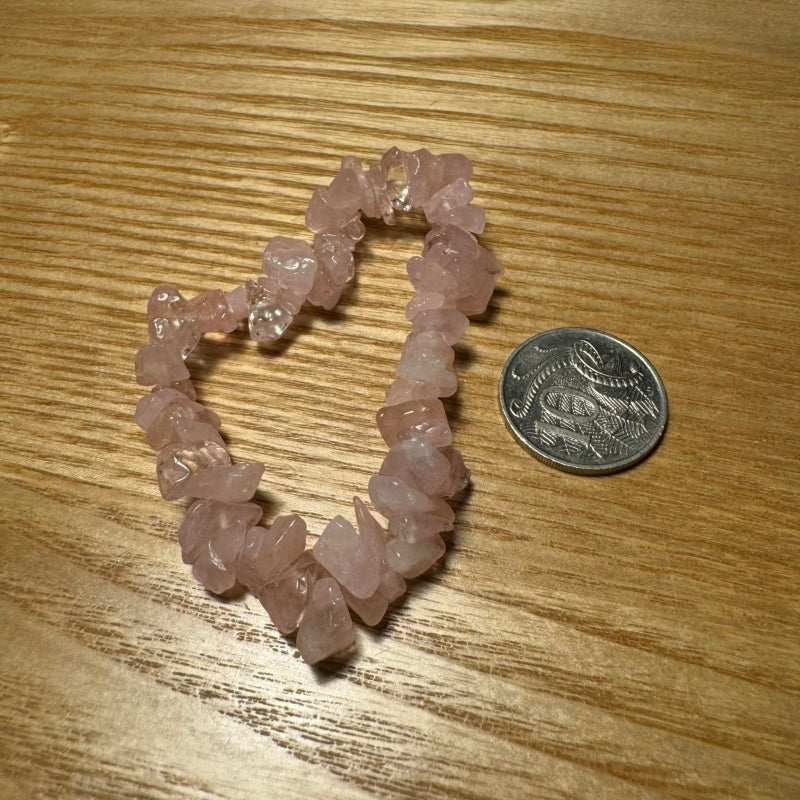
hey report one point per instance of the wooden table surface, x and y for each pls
(632, 636)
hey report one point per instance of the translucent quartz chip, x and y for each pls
(450, 322)
(172, 424)
(335, 268)
(427, 276)
(171, 319)
(427, 174)
(413, 526)
(326, 627)
(184, 387)
(237, 302)
(402, 391)
(393, 497)
(394, 164)
(415, 420)
(230, 483)
(455, 195)
(370, 195)
(178, 464)
(420, 466)
(160, 363)
(268, 323)
(391, 585)
(322, 215)
(344, 191)
(291, 265)
(211, 536)
(214, 313)
(354, 560)
(473, 267)
(371, 610)
(151, 405)
(166, 301)
(411, 560)
(427, 358)
(267, 552)
(468, 218)
(286, 597)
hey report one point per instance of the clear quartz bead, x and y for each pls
(268, 322)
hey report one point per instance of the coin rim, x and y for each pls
(567, 466)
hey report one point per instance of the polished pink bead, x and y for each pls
(323, 215)
(177, 422)
(411, 560)
(459, 473)
(390, 585)
(326, 627)
(428, 276)
(211, 536)
(468, 218)
(369, 192)
(267, 552)
(335, 268)
(415, 420)
(214, 313)
(344, 191)
(354, 561)
(285, 599)
(455, 195)
(450, 322)
(402, 391)
(179, 464)
(151, 405)
(420, 466)
(393, 497)
(427, 358)
(413, 526)
(237, 302)
(160, 363)
(291, 265)
(370, 610)
(230, 483)
(427, 174)
(171, 319)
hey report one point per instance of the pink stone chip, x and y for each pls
(420, 466)
(322, 215)
(371, 610)
(151, 405)
(160, 363)
(335, 268)
(326, 627)
(285, 599)
(291, 266)
(267, 552)
(412, 559)
(427, 174)
(230, 483)
(171, 319)
(237, 302)
(414, 420)
(211, 536)
(401, 391)
(354, 560)
(413, 526)
(391, 585)
(393, 497)
(178, 466)
(427, 358)
(455, 195)
(450, 322)
(179, 421)
(468, 218)
(214, 313)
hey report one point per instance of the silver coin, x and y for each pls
(583, 401)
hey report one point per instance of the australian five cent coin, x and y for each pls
(583, 401)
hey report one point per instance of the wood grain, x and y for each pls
(633, 636)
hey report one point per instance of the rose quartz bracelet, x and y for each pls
(311, 590)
